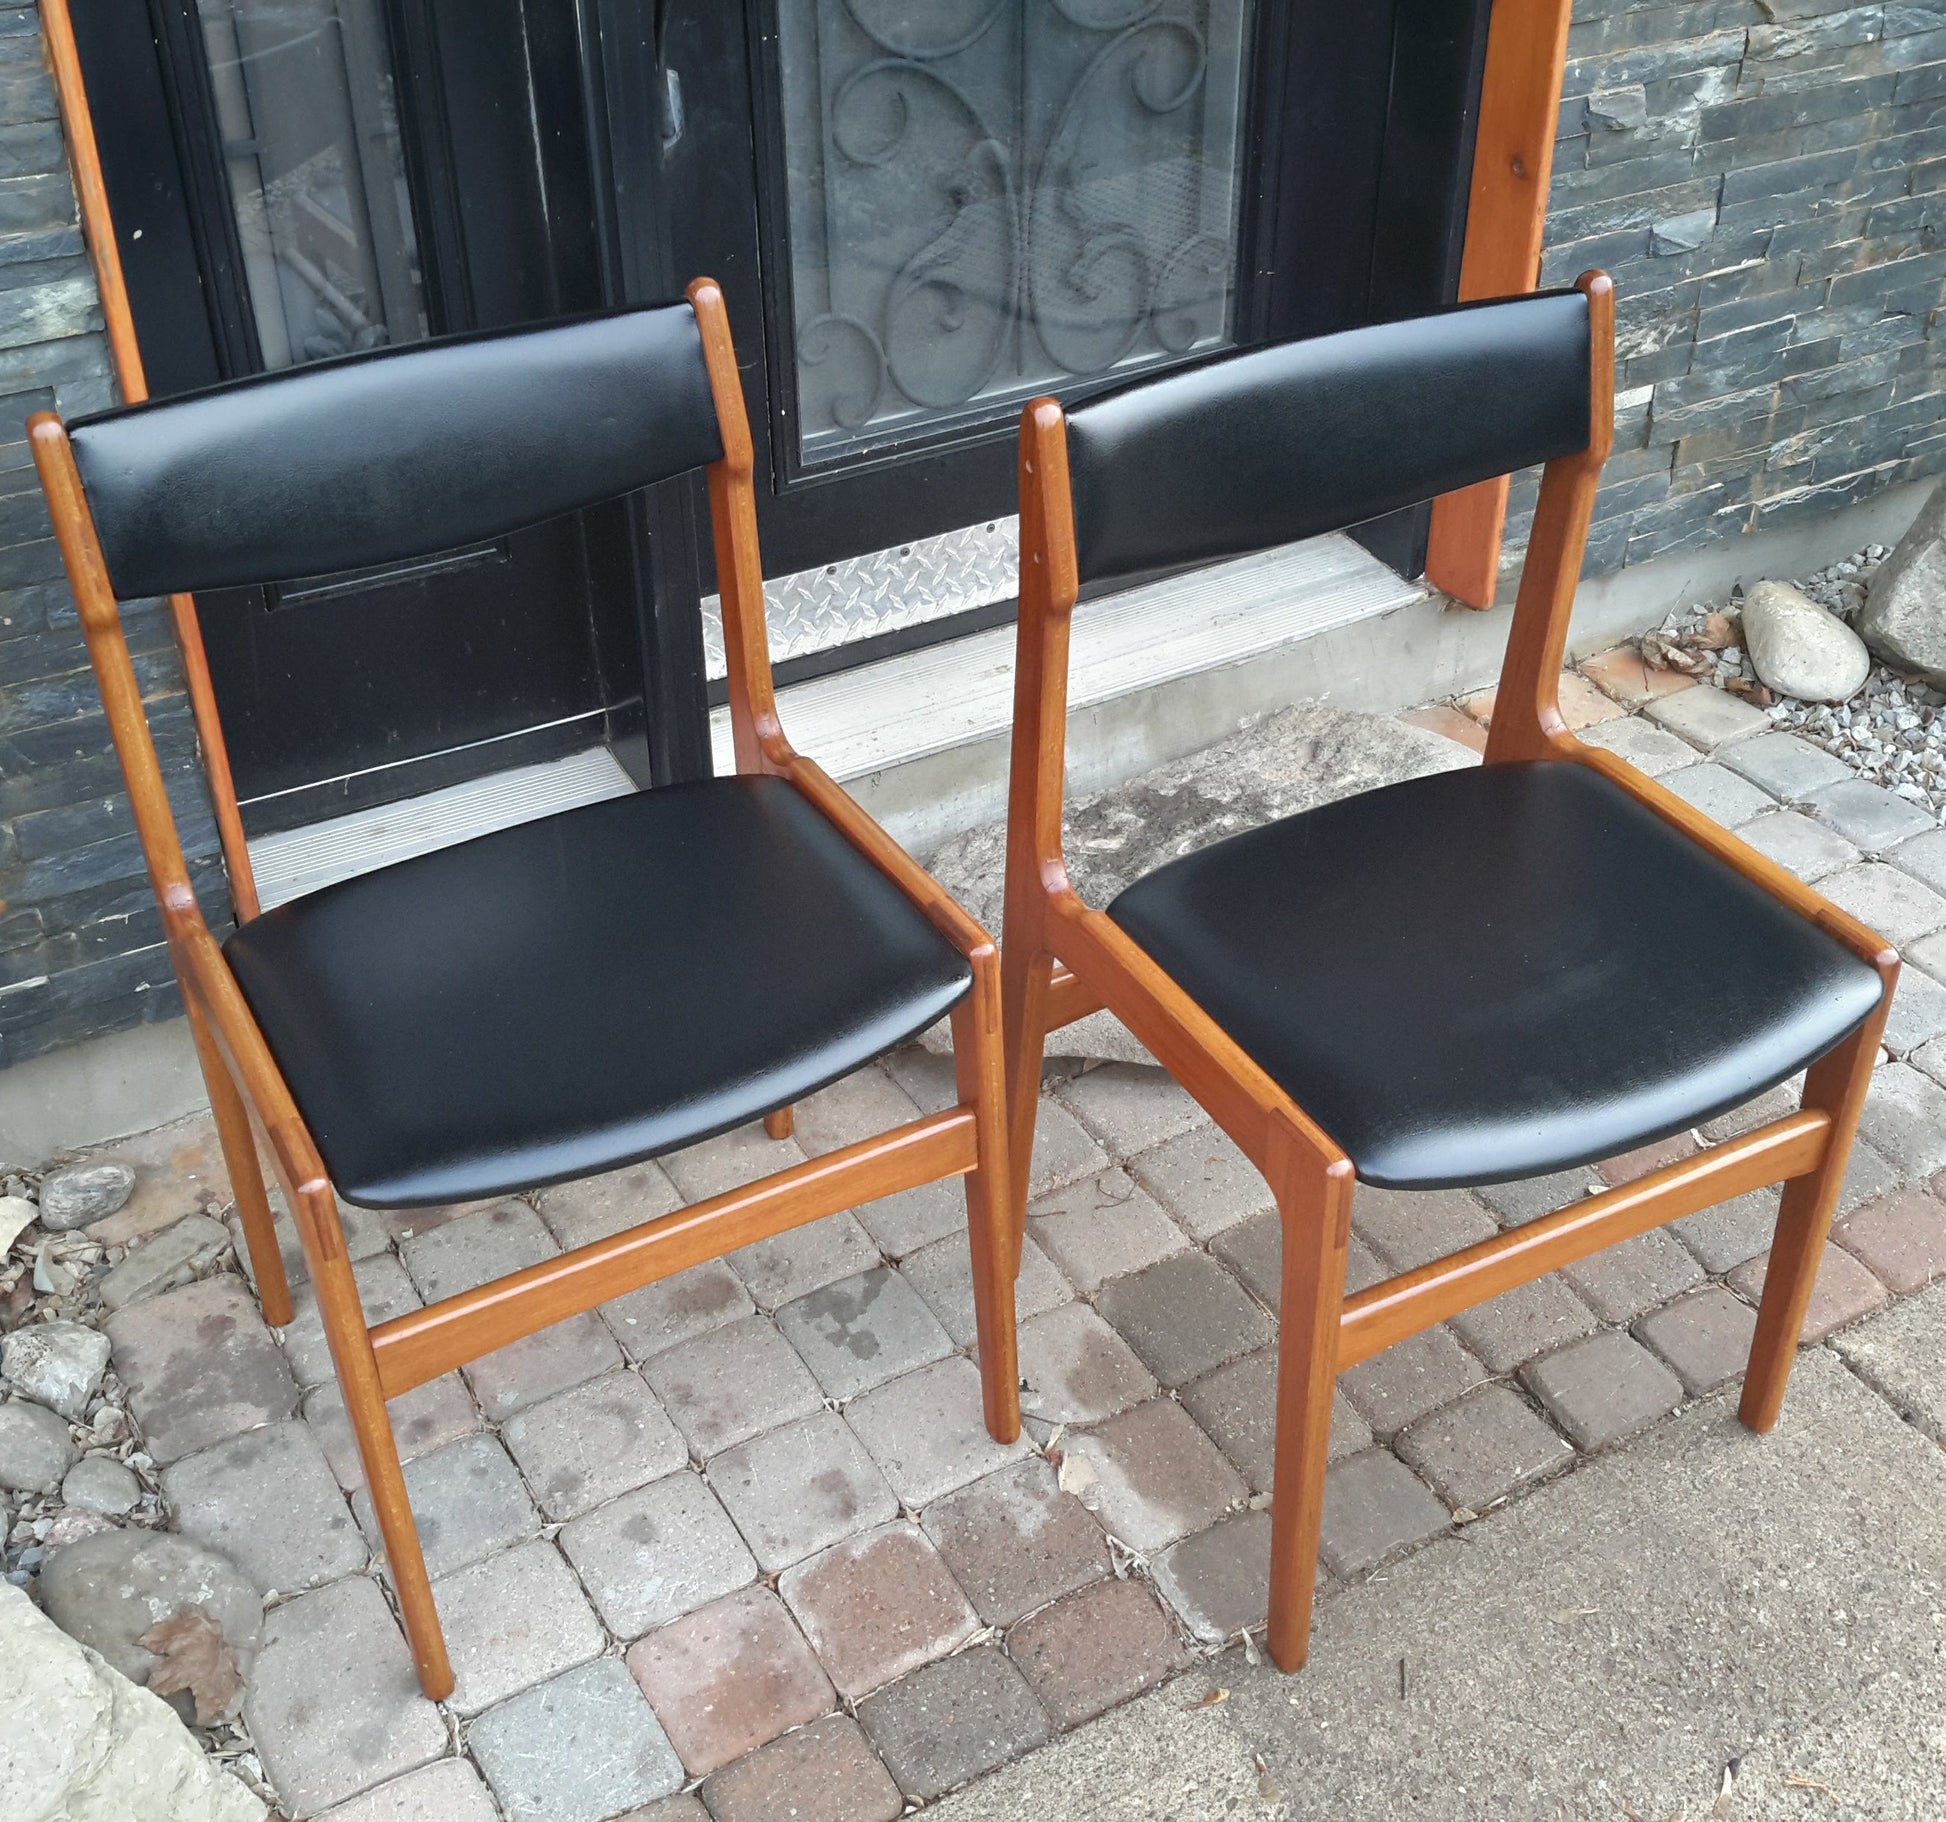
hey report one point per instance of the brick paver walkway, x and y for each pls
(739, 1545)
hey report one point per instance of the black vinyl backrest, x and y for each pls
(397, 453)
(1282, 443)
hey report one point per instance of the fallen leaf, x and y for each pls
(1717, 631)
(1266, 1784)
(17, 1214)
(1214, 1699)
(195, 1657)
(1721, 1807)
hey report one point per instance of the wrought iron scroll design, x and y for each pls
(990, 197)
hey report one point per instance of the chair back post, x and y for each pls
(1527, 721)
(121, 694)
(755, 730)
(1049, 583)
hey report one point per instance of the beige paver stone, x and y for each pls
(1236, 1406)
(580, 1748)
(1203, 1180)
(426, 1418)
(878, 1606)
(199, 1365)
(1157, 1477)
(1704, 1337)
(928, 1433)
(1075, 1369)
(1015, 1541)
(594, 1208)
(269, 1502)
(804, 1259)
(1410, 1378)
(468, 1501)
(797, 1489)
(592, 1443)
(657, 1553)
(1102, 1228)
(1129, 1107)
(448, 1790)
(1218, 1581)
(729, 1677)
(942, 1273)
(513, 1621)
(677, 1309)
(731, 1383)
(862, 1331)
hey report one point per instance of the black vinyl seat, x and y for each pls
(623, 979)
(1496, 973)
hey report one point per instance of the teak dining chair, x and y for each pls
(1480, 976)
(567, 996)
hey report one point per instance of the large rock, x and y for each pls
(57, 1364)
(79, 1193)
(108, 1590)
(35, 1450)
(1905, 610)
(1799, 648)
(1294, 760)
(80, 1743)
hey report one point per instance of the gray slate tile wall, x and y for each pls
(80, 941)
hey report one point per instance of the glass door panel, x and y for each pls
(986, 199)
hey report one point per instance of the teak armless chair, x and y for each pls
(567, 996)
(1483, 975)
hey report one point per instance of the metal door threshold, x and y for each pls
(296, 861)
(927, 702)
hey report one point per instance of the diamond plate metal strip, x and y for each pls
(881, 592)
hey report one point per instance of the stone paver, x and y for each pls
(826, 1772)
(729, 1160)
(597, 1207)
(1842, 1292)
(927, 1432)
(950, 1721)
(1236, 1406)
(1924, 857)
(199, 1365)
(384, 1291)
(1103, 1228)
(732, 1383)
(1707, 718)
(1799, 845)
(1930, 954)
(860, 1332)
(729, 1677)
(677, 1309)
(1218, 1582)
(1523, 1322)
(803, 1259)
(1527, 1199)
(1443, 718)
(901, 1224)
(1487, 1445)
(513, 1621)
(878, 1606)
(1621, 1281)
(1015, 1541)
(943, 1275)
(1201, 1178)
(796, 1490)
(1074, 1368)
(1622, 673)
(862, 1105)
(1184, 1316)
(1905, 1120)
(1869, 816)
(1094, 1649)
(36, 1451)
(1064, 1151)
(1407, 1228)
(268, 1500)
(587, 1445)
(1721, 794)
(1894, 904)
(468, 1500)
(462, 1254)
(1374, 1505)
(426, 1418)
(1918, 1013)
(657, 1553)
(1412, 1377)
(448, 1790)
(1785, 766)
(1129, 1107)
(334, 1706)
(1157, 1477)
(174, 1257)
(1604, 1389)
(1725, 1235)
(1646, 747)
(1704, 1337)
(580, 1748)
(1900, 1237)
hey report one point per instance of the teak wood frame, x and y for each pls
(1062, 959)
(249, 1096)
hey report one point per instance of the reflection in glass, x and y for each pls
(987, 198)
(305, 102)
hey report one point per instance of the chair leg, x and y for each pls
(1836, 1085)
(1024, 976)
(351, 1352)
(1314, 1200)
(993, 1215)
(240, 1158)
(780, 1122)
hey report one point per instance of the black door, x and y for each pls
(925, 214)
(293, 179)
